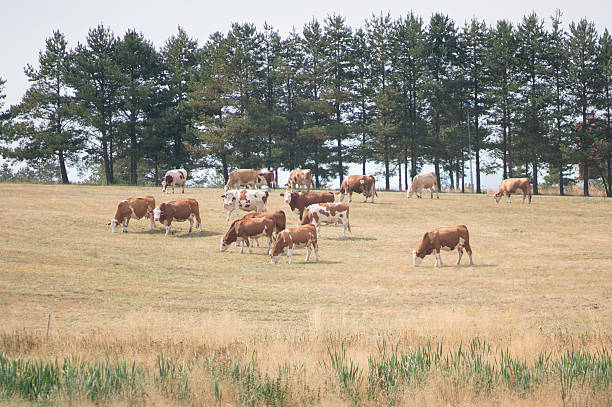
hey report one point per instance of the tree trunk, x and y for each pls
(509, 152)
(399, 173)
(133, 150)
(224, 168)
(477, 170)
(62, 165)
(340, 166)
(535, 177)
(406, 166)
(363, 163)
(585, 177)
(107, 173)
(387, 175)
(437, 168)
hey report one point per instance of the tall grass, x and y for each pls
(391, 372)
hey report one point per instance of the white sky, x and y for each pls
(26, 24)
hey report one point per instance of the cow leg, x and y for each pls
(183, 188)
(345, 227)
(288, 256)
(437, 193)
(249, 245)
(468, 249)
(438, 259)
(319, 230)
(241, 246)
(190, 224)
(307, 254)
(199, 224)
(524, 196)
(508, 195)
(460, 250)
(126, 221)
(316, 249)
(350, 197)
(168, 230)
(152, 222)
(269, 244)
(256, 239)
(431, 193)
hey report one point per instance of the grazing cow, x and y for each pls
(266, 178)
(180, 211)
(174, 178)
(511, 186)
(295, 238)
(243, 229)
(446, 238)
(298, 201)
(365, 184)
(137, 207)
(238, 178)
(329, 213)
(245, 199)
(302, 178)
(426, 180)
(278, 217)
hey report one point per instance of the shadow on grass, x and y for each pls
(197, 233)
(348, 239)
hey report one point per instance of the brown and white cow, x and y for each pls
(245, 199)
(180, 211)
(243, 229)
(445, 238)
(512, 186)
(278, 217)
(137, 207)
(328, 213)
(174, 178)
(295, 238)
(426, 180)
(299, 201)
(302, 178)
(266, 178)
(365, 184)
(239, 178)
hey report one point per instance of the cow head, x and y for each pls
(166, 182)
(114, 225)
(228, 198)
(278, 248)
(229, 238)
(158, 213)
(498, 196)
(416, 259)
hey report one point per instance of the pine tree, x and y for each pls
(501, 68)
(557, 78)
(44, 122)
(139, 65)
(583, 76)
(604, 103)
(96, 78)
(336, 91)
(532, 77)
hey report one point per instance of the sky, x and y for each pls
(26, 24)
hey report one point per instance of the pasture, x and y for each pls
(541, 285)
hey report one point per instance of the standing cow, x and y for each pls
(511, 186)
(295, 238)
(446, 238)
(302, 178)
(174, 178)
(299, 201)
(137, 207)
(365, 184)
(243, 229)
(248, 178)
(245, 199)
(426, 180)
(180, 211)
(328, 213)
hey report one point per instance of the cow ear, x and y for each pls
(223, 196)
(282, 194)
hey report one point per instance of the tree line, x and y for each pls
(521, 99)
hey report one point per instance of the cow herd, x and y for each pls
(312, 208)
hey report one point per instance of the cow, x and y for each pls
(302, 178)
(511, 186)
(238, 178)
(446, 238)
(329, 213)
(137, 207)
(243, 229)
(279, 218)
(298, 201)
(365, 184)
(174, 178)
(426, 180)
(295, 238)
(245, 199)
(266, 178)
(180, 211)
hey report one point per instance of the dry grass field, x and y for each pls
(541, 284)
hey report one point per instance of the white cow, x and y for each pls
(426, 180)
(245, 199)
(174, 178)
(329, 213)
